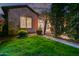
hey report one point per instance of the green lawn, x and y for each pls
(36, 45)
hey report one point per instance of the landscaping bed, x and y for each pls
(75, 38)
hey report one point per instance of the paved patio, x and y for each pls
(75, 45)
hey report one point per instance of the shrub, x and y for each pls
(39, 31)
(22, 33)
(76, 36)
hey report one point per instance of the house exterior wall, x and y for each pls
(14, 18)
(41, 24)
(35, 23)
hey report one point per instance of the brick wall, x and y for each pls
(35, 23)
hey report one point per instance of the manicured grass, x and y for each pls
(36, 45)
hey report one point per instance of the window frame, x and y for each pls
(26, 21)
(31, 22)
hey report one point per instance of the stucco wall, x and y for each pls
(14, 18)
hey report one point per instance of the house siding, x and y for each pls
(14, 18)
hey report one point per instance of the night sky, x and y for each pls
(38, 7)
(35, 5)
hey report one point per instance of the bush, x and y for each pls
(76, 36)
(39, 31)
(22, 33)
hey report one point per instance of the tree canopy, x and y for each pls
(64, 14)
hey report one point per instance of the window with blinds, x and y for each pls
(29, 22)
(25, 22)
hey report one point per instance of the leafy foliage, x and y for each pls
(57, 17)
(22, 33)
(61, 13)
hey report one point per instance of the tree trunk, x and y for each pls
(45, 26)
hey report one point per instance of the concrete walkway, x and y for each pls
(64, 42)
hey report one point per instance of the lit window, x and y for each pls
(22, 22)
(25, 22)
(29, 22)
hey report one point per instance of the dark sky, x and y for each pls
(38, 7)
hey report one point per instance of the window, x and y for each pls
(22, 22)
(29, 22)
(25, 22)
